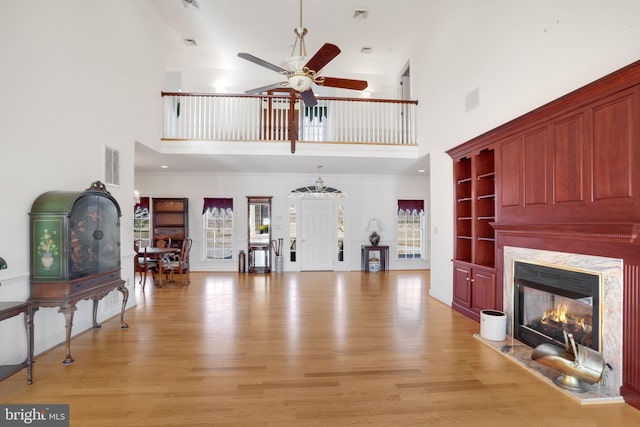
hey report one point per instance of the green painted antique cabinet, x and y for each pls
(75, 251)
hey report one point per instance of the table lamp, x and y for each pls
(373, 228)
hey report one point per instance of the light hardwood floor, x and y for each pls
(297, 349)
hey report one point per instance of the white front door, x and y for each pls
(317, 247)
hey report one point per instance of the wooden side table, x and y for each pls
(11, 309)
(364, 256)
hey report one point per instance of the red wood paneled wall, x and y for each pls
(568, 180)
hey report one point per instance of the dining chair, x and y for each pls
(180, 265)
(162, 242)
(142, 263)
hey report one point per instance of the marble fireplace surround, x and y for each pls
(611, 271)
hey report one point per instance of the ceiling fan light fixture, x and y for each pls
(300, 82)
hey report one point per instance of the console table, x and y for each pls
(364, 256)
(11, 309)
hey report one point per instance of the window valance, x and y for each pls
(142, 205)
(219, 203)
(411, 205)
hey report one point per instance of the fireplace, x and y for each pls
(608, 298)
(551, 302)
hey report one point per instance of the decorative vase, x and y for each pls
(279, 265)
(47, 260)
(374, 238)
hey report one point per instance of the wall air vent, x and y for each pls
(111, 166)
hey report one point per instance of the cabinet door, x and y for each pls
(462, 285)
(483, 290)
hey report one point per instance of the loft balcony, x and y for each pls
(213, 123)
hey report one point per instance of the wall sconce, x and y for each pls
(373, 228)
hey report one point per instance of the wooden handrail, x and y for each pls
(248, 117)
(323, 98)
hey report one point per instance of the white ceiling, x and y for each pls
(222, 28)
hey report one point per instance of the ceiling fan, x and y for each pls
(301, 76)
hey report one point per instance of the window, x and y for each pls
(314, 123)
(292, 233)
(217, 216)
(141, 220)
(340, 233)
(410, 229)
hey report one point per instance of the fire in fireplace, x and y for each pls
(550, 302)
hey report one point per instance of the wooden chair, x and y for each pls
(162, 242)
(180, 265)
(142, 263)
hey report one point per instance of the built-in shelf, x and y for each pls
(474, 254)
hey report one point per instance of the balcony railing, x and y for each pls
(210, 117)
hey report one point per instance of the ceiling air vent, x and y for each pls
(361, 13)
(192, 3)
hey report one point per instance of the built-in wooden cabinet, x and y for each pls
(463, 209)
(474, 286)
(170, 218)
(566, 179)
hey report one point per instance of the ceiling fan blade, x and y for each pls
(344, 83)
(262, 62)
(267, 88)
(309, 98)
(322, 57)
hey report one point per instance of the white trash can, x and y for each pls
(493, 325)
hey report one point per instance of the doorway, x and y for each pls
(317, 228)
(316, 234)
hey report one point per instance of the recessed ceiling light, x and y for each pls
(421, 170)
(164, 167)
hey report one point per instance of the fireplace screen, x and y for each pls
(552, 315)
(550, 302)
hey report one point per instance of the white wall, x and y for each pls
(76, 75)
(368, 197)
(79, 74)
(519, 55)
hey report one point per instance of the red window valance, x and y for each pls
(216, 202)
(411, 205)
(144, 204)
